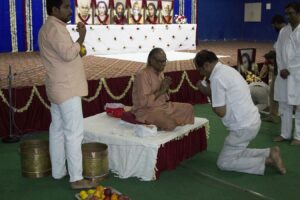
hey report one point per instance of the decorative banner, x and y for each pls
(120, 13)
(152, 13)
(28, 25)
(167, 12)
(13, 25)
(102, 12)
(84, 10)
(136, 38)
(136, 11)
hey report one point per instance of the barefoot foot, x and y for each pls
(278, 162)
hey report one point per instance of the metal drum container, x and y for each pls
(35, 158)
(95, 161)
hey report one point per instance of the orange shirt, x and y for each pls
(146, 83)
(65, 75)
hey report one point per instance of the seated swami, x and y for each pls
(150, 98)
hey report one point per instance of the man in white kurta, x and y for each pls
(287, 83)
(232, 101)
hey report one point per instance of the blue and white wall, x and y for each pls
(217, 20)
(224, 20)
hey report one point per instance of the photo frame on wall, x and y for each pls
(84, 11)
(252, 12)
(102, 12)
(120, 13)
(136, 12)
(152, 13)
(167, 11)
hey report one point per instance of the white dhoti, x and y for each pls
(260, 93)
(66, 135)
(235, 156)
(286, 113)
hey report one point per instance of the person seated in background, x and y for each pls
(150, 97)
(231, 101)
(270, 69)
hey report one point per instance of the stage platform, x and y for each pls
(145, 157)
(28, 70)
(109, 80)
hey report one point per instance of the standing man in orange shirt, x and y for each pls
(65, 84)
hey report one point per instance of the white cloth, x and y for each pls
(235, 156)
(128, 155)
(65, 138)
(229, 88)
(286, 114)
(113, 105)
(120, 39)
(145, 131)
(141, 130)
(288, 57)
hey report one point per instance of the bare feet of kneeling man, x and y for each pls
(275, 160)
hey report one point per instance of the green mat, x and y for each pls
(196, 178)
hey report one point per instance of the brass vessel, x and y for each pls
(35, 158)
(95, 161)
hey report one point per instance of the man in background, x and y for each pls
(278, 22)
(287, 83)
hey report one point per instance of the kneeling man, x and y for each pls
(231, 100)
(150, 96)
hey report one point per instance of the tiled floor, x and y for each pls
(28, 69)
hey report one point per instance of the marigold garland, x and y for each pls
(194, 12)
(181, 7)
(123, 94)
(102, 83)
(13, 25)
(29, 34)
(90, 99)
(44, 11)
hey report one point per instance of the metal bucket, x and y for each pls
(35, 158)
(95, 161)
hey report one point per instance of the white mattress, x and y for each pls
(128, 155)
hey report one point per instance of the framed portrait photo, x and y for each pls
(136, 12)
(83, 11)
(102, 12)
(152, 13)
